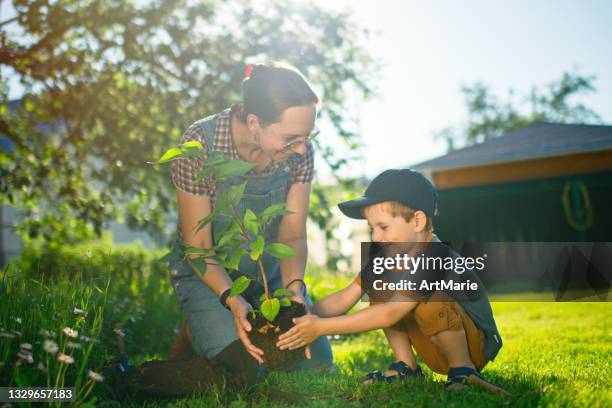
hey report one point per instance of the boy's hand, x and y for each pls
(306, 330)
(300, 299)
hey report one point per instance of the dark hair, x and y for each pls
(272, 88)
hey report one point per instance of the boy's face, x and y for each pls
(387, 228)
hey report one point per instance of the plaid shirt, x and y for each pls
(184, 171)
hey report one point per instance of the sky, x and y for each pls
(429, 49)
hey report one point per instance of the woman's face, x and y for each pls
(295, 125)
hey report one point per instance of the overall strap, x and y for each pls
(210, 126)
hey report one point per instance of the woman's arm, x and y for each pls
(338, 303)
(292, 232)
(193, 208)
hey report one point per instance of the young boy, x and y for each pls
(452, 334)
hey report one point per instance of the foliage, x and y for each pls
(67, 300)
(110, 84)
(489, 117)
(539, 368)
(244, 234)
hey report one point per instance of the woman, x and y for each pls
(271, 128)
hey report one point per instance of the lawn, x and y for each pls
(555, 354)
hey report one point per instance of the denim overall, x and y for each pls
(212, 325)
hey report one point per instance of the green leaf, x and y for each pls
(270, 308)
(222, 204)
(257, 248)
(274, 210)
(172, 256)
(285, 302)
(199, 264)
(194, 152)
(280, 292)
(194, 144)
(239, 285)
(171, 154)
(262, 297)
(231, 168)
(198, 251)
(206, 220)
(207, 171)
(229, 234)
(222, 228)
(280, 251)
(215, 157)
(220, 255)
(236, 192)
(250, 221)
(234, 261)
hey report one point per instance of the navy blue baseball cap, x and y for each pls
(406, 186)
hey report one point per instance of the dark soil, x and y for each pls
(160, 379)
(165, 379)
(265, 335)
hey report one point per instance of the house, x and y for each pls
(542, 182)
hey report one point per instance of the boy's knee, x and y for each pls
(435, 317)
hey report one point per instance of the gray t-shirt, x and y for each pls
(478, 308)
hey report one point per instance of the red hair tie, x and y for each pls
(248, 71)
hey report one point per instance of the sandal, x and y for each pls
(460, 376)
(402, 369)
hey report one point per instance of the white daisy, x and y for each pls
(50, 346)
(65, 358)
(72, 345)
(95, 376)
(25, 355)
(71, 332)
(26, 346)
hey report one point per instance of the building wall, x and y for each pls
(530, 211)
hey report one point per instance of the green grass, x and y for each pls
(555, 354)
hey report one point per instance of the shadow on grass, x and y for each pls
(340, 387)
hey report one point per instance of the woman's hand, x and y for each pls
(306, 330)
(240, 308)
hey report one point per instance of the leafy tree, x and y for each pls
(489, 117)
(111, 83)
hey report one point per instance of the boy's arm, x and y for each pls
(308, 328)
(338, 303)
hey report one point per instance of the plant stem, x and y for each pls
(260, 266)
(263, 278)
